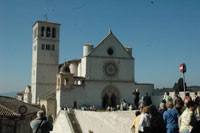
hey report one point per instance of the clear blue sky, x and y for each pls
(162, 33)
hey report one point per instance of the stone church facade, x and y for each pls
(103, 76)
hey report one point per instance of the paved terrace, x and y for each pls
(98, 122)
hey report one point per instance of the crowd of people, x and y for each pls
(174, 115)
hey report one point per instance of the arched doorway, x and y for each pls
(75, 104)
(110, 96)
(105, 101)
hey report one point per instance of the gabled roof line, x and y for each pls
(110, 33)
(11, 103)
(99, 44)
(121, 45)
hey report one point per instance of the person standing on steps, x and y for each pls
(136, 94)
(147, 100)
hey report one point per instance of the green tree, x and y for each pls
(179, 86)
(175, 87)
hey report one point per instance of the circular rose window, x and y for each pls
(110, 69)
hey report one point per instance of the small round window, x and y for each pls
(110, 51)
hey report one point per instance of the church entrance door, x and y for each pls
(105, 101)
(110, 97)
(75, 104)
(113, 100)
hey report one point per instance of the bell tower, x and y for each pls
(45, 58)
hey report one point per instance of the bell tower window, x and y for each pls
(43, 46)
(48, 47)
(42, 31)
(48, 32)
(53, 33)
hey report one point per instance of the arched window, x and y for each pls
(48, 47)
(66, 82)
(43, 46)
(54, 33)
(48, 32)
(42, 31)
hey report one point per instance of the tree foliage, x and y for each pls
(179, 86)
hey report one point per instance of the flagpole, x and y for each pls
(183, 70)
(184, 82)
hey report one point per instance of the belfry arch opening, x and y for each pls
(48, 32)
(42, 31)
(54, 33)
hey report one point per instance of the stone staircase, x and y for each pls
(74, 122)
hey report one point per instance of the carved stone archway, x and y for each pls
(110, 96)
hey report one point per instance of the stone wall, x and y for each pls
(91, 93)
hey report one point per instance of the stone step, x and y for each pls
(74, 122)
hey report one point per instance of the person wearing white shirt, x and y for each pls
(144, 124)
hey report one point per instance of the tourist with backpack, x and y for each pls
(41, 124)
